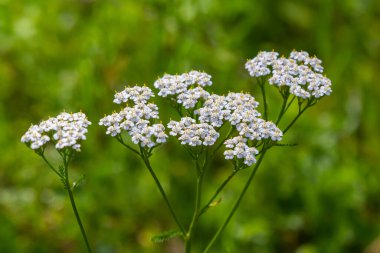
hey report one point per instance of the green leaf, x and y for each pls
(164, 236)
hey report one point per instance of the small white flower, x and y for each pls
(235, 107)
(259, 66)
(300, 72)
(137, 94)
(190, 98)
(186, 88)
(237, 147)
(136, 120)
(66, 130)
(193, 134)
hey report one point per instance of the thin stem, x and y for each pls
(120, 139)
(282, 112)
(198, 199)
(262, 87)
(50, 166)
(295, 119)
(71, 196)
(290, 103)
(64, 176)
(207, 206)
(162, 191)
(222, 142)
(224, 225)
(66, 160)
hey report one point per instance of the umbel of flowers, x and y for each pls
(202, 116)
(205, 124)
(300, 72)
(200, 125)
(65, 132)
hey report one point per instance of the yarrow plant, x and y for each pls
(65, 132)
(205, 124)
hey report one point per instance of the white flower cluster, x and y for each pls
(237, 147)
(136, 120)
(65, 130)
(259, 66)
(137, 94)
(237, 108)
(302, 73)
(193, 134)
(240, 110)
(183, 88)
(258, 129)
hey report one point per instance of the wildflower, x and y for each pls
(193, 134)
(64, 131)
(178, 84)
(137, 94)
(189, 98)
(136, 119)
(300, 72)
(235, 107)
(237, 148)
(258, 66)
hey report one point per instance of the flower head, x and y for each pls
(193, 134)
(259, 66)
(137, 118)
(64, 131)
(137, 94)
(300, 72)
(237, 147)
(235, 107)
(185, 89)
(189, 98)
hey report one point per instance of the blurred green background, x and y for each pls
(320, 196)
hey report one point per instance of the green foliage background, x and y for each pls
(321, 196)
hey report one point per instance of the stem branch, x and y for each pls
(224, 225)
(161, 189)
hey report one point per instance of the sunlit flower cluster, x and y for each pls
(259, 66)
(203, 115)
(185, 89)
(237, 147)
(136, 120)
(137, 94)
(258, 129)
(239, 109)
(193, 134)
(64, 131)
(300, 72)
(235, 107)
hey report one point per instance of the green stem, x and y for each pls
(71, 196)
(282, 112)
(224, 225)
(207, 206)
(120, 139)
(295, 119)
(50, 166)
(64, 176)
(66, 161)
(161, 189)
(290, 103)
(262, 87)
(222, 142)
(198, 199)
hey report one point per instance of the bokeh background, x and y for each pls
(320, 196)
